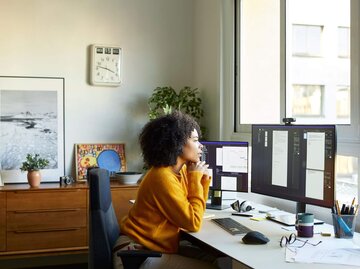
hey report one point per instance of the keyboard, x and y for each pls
(231, 226)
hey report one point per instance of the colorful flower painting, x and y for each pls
(107, 156)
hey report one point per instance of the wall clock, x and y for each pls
(105, 67)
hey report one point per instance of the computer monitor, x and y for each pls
(294, 162)
(228, 166)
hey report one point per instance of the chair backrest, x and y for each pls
(103, 224)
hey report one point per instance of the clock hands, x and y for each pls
(105, 68)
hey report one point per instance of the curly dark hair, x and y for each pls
(162, 139)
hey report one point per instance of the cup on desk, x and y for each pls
(344, 225)
(305, 224)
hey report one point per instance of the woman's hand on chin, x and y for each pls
(199, 166)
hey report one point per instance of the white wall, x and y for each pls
(207, 46)
(51, 38)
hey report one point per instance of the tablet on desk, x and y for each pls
(289, 219)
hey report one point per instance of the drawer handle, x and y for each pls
(46, 210)
(47, 230)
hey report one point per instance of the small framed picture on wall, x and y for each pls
(110, 156)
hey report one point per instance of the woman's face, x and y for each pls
(193, 148)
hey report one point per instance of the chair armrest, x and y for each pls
(133, 259)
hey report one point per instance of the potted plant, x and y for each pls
(32, 165)
(165, 99)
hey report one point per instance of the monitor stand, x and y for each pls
(300, 207)
(216, 200)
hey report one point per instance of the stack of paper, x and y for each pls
(337, 251)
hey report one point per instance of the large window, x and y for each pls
(292, 56)
(294, 59)
(317, 45)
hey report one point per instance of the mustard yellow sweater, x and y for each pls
(166, 202)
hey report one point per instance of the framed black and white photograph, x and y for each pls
(31, 122)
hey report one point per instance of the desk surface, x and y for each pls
(270, 255)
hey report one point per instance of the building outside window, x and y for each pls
(344, 42)
(306, 40)
(343, 102)
(307, 100)
(294, 60)
(317, 55)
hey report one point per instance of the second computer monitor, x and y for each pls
(294, 162)
(228, 164)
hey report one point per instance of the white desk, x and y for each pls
(266, 256)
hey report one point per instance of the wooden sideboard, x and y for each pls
(51, 218)
(2, 221)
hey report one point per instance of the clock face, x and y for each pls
(106, 63)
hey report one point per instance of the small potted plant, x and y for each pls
(32, 165)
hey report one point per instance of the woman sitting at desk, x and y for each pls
(173, 193)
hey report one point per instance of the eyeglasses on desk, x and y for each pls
(286, 241)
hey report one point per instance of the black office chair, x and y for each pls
(104, 229)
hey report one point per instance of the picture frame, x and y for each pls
(31, 122)
(110, 156)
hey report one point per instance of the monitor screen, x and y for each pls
(294, 162)
(228, 164)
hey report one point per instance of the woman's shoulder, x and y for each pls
(160, 175)
(160, 171)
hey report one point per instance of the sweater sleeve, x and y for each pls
(205, 182)
(184, 208)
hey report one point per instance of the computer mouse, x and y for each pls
(255, 238)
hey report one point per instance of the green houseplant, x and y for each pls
(164, 100)
(32, 165)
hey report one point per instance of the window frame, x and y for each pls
(231, 128)
(348, 137)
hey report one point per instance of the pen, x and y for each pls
(337, 207)
(353, 202)
(343, 208)
(351, 211)
(241, 214)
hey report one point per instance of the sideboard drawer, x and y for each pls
(121, 198)
(51, 218)
(47, 239)
(45, 199)
(46, 219)
(2, 221)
